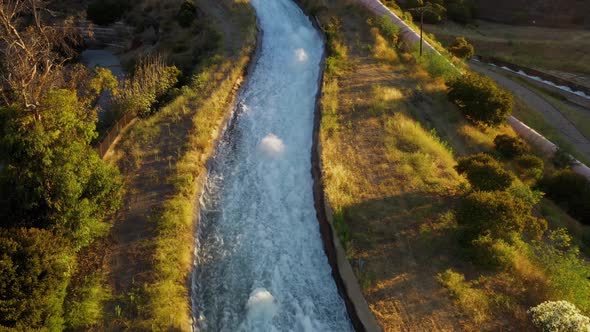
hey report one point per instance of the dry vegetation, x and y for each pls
(538, 47)
(144, 283)
(389, 141)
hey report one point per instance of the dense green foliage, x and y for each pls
(187, 14)
(570, 190)
(497, 214)
(510, 147)
(34, 266)
(529, 167)
(462, 49)
(105, 12)
(52, 178)
(480, 99)
(434, 11)
(484, 172)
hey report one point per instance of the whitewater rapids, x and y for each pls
(260, 263)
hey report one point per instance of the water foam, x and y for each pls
(301, 55)
(272, 146)
(260, 264)
(261, 305)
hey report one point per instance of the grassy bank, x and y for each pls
(139, 277)
(390, 140)
(537, 47)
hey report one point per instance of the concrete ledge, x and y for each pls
(357, 307)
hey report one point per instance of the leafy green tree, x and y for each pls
(484, 172)
(34, 268)
(497, 214)
(510, 147)
(52, 178)
(462, 49)
(480, 99)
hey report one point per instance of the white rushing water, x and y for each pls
(260, 262)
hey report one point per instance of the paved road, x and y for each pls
(539, 104)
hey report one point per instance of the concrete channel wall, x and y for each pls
(360, 314)
(526, 132)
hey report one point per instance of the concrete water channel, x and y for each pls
(260, 263)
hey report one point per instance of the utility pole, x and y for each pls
(421, 28)
(422, 8)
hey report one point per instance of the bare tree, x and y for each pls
(33, 51)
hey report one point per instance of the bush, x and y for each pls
(434, 12)
(33, 279)
(103, 12)
(52, 178)
(480, 99)
(437, 65)
(484, 172)
(387, 28)
(462, 49)
(510, 147)
(493, 253)
(529, 168)
(150, 82)
(570, 190)
(559, 316)
(459, 11)
(187, 14)
(497, 214)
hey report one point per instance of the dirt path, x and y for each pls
(539, 104)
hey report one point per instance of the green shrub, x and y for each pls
(559, 316)
(437, 65)
(480, 99)
(151, 81)
(529, 167)
(187, 14)
(460, 11)
(34, 268)
(434, 11)
(387, 28)
(570, 190)
(105, 12)
(52, 178)
(462, 49)
(566, 270)
(492, 253)
(497, 214)
(510, 147)
(484, 172)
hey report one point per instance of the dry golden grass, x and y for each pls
(389, 139)
(555, 49)
(163, 158)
